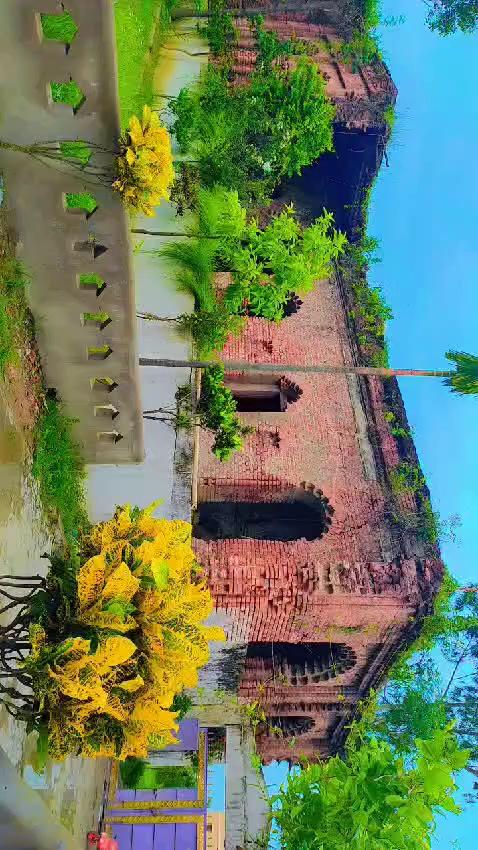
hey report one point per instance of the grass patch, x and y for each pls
(13, 310)
(76, 151)
(58, 467)
(135, 26)
(68, 93)
(93, 281)
(137, 774)
(81, 201)
(59, 27)
(100, 318)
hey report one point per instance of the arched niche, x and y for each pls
(297, 664)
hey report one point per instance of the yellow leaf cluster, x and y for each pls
(142, 594)
(144, 166)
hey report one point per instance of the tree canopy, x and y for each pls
(449, 16)
(371, 799)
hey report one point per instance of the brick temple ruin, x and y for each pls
(318, 584)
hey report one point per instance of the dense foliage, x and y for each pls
(420, 697)
(219, 413)
(144, 166)
(116, 636)
(448, 16)
(283, 258)
(371, 799)
(248, 137)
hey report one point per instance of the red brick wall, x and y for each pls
(355, 93)
(358, 584)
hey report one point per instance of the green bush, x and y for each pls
(218, 410)
(283, 258)
(210, 329)
(220, 32)
(249, 137)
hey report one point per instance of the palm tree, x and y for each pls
(463, 379)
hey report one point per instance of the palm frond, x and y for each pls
(194, 261)
(465, 379)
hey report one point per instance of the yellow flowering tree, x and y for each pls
(145, 164)
(140, 169)
(131, 637)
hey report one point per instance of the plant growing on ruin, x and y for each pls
(406, 477)
(109, 638)
(218, 409)
(144, 165)
(283, 258)
(248, 137)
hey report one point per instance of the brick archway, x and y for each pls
(296, 664)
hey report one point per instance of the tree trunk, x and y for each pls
(173, 234)
(244, 366)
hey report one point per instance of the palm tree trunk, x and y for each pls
(244, 366)
(173, 234)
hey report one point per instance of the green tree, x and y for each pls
(370, 799)
(283, 258)
(417, 700)
(248, 137)
(448, 16)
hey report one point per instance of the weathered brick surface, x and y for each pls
(360, 584)
(359, 95)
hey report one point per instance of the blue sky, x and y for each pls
(424, 212)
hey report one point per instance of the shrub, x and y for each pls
(144, 166)
(249, 137)
(210, 329)
(281, 259)
(218, 411)
(105, 677)
(406, 478)
(220, 32)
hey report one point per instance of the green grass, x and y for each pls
(81, 201)
(91, 280)
(59, 27)
(98, 318)
(68, 93)
(76, 151)
(135, 21)
(13, 308)
(137, 774)
(59, 470)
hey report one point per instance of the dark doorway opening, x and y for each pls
(262, 394)
(285, 521)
